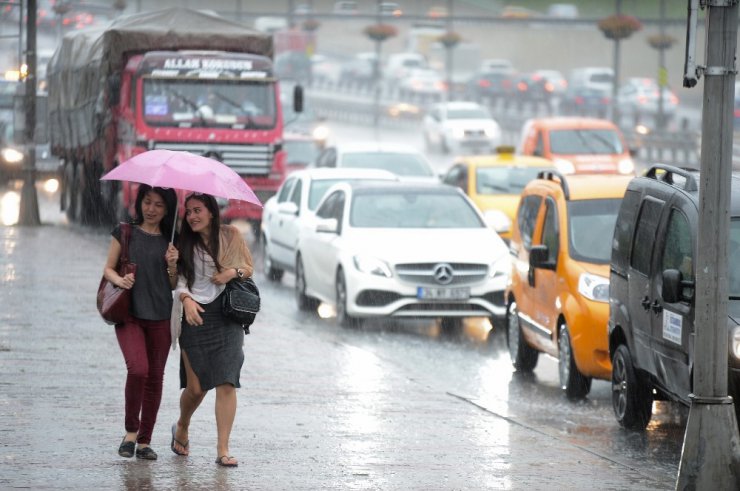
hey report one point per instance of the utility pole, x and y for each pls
(710, 458)
(29, 206)
(376, 74)
(448, 52)
(617, 75)
(662, 72)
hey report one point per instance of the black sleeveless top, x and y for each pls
(151, 296)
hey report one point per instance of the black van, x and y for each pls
(651, 293)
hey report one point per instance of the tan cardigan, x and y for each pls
(233, 253)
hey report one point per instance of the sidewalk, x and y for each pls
(313, 413)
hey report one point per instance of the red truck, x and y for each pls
(174, 79)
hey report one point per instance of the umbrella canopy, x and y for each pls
(186, 171)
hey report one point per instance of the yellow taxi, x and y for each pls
(494, 183)
(558, 293)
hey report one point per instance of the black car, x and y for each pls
(651, 293)
(585, 101)
(489, 85)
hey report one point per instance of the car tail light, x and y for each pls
(484, 83)
(674, 99)
(522, 86)
(579, 100)
(549, 87)
(642, 99)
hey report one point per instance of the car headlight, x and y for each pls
(735, 342)
(500, 267)
(626, 166)
(594, 287)
(564, 166)
(12, 156)
(498, 220)
(372, 265)
(458, 133)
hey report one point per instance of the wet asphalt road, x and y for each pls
(321, 407)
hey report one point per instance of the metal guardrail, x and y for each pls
(356, 103)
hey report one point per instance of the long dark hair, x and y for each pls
(188, 239)
(170, 200)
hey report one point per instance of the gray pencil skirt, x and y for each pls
(213, 349)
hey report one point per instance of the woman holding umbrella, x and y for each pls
(211, 353)
(144, 337)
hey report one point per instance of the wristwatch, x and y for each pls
(240, 273)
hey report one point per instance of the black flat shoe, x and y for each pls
(126, 449)
(146, 453)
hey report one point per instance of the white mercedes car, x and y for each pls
(398, 249)
(294, 201)
(461, 127)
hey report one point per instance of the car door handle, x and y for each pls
(645, 303)
(657, 308)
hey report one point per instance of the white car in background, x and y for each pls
(461, 127)
(294, 201)
(407, 162)
(401, 250)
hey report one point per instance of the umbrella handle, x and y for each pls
(174, 225)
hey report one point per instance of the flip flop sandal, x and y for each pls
(220, 461)
(126, 449)
(185, 445)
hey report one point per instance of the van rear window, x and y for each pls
(591, 229)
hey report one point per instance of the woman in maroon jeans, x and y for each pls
(144, 337)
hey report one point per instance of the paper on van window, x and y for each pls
(672, 326)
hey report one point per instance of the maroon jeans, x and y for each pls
(145, 346)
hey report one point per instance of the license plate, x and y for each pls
(426, 293)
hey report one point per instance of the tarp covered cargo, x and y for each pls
(79, 71)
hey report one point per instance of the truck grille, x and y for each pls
(423, 273)
(245, 160)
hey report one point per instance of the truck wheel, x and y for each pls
(632, 399)
(70, 193)
(573, 382)
(523, 357)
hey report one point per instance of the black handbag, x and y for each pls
(241, 302)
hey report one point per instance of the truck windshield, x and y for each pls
(585, 142)
(591, 229)
(212, 103)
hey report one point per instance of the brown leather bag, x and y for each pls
(114, 302)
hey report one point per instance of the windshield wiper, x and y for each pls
(190, 103)
(235, 104)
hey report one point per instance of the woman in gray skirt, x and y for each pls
(211, 353)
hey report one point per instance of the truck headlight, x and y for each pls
(372, 265)
(12, 156)
(594, 287)
(735, 342)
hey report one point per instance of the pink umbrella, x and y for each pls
(186, 171)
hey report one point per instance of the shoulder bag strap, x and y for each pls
(125, 236)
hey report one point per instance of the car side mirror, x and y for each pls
(298, 99)
(671, 285)
(675, 288)
(327, 226)
(538, 257)
(288, 208)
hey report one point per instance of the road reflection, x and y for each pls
(47, 192)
